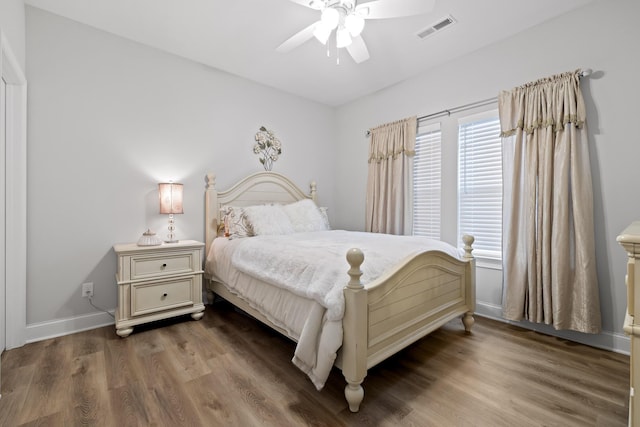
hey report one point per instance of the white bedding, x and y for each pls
(296, 281)
(286, 310)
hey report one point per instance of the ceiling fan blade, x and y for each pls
(382, 9)
(297, 39)
(309, 3)
(358, 50)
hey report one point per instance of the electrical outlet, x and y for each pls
(87, 289)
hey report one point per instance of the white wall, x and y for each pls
(602, 36)
(12, 24)
(108, 120)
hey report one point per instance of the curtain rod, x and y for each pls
(448, 112)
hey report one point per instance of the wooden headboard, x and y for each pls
(257, 189)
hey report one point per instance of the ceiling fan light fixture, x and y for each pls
(343, 39)
(347, 18)
(330, 17)
(354, 23)
(322, 32)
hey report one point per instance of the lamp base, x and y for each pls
(171, 237)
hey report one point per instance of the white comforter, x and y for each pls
(313, 266)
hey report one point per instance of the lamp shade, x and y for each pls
(354, 23)
(322, 32)
(330, 17)
(170, 198)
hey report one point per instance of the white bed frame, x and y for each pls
(415, 298)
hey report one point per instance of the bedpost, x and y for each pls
(313, 191)
(211, 215)
(468, 241)
(354, 324)
(467, 318)
(211, 209)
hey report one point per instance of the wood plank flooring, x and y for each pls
(229, 370)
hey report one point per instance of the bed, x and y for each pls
(417, 295)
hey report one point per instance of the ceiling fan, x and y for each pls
(347, 18)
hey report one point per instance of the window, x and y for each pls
(457, 180)
(480, 183)
(427, 182)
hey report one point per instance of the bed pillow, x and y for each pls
(306, 216)
(268, 220)
(236, 222)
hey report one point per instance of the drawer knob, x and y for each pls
(164, 265)
(164, 295)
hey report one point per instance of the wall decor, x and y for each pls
(268, 147)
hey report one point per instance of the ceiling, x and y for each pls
(241, 37)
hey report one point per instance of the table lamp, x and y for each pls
(170, 203)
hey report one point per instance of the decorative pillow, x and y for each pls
(306, 216)
(236, 222)
(268, 220)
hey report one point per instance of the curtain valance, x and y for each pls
(551, 102)
(392, 139)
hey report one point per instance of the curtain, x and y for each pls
(549, 264)
(388, 199)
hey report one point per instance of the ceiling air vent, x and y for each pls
(438, 26)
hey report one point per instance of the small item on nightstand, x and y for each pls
(149, 238)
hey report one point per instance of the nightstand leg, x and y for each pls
(125, 332)
(197, 316)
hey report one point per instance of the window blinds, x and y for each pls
(427, 181)
(480, 183)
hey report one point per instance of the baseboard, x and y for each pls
(59, 327)
(491, 311)
(612, 341)
(606, 340)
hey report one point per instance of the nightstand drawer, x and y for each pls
(162, 295)
(160, 265)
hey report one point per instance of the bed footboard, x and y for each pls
(406, 304)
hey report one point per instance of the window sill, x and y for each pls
(490, 263)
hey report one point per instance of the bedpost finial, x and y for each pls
(211, 181)
(355, 258)
(468, 241)
(313, 190)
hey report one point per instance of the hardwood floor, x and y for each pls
(229, 370)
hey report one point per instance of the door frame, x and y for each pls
(15, 196)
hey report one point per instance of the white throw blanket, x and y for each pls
(314, 265)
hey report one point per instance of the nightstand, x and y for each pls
(158, 282)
